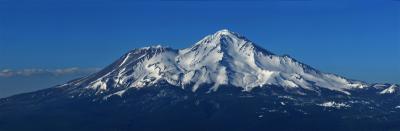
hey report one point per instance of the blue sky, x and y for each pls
(359, 39)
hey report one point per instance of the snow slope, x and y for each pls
(223, 58)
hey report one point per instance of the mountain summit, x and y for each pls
(222, 82)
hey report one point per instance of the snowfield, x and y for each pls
(223, 58)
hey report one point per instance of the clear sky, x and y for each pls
(358, 39)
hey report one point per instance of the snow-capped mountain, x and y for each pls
(222, 58)
(222, 82)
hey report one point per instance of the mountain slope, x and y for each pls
(224, 79)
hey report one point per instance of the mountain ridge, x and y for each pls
(223, 82)
(209, 61)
